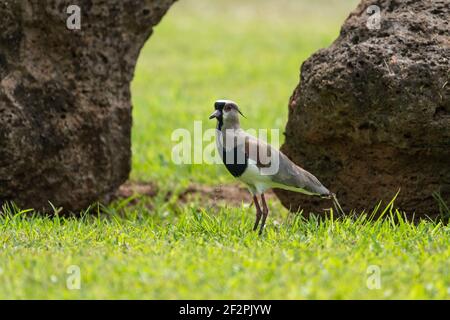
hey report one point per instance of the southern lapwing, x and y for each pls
(259, 165)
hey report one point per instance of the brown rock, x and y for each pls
(65, 110)
(372, 112)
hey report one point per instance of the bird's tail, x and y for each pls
(337, 205)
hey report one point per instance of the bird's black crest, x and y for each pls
(219, 105)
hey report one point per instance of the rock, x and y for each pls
(65, 110)
(372, 112)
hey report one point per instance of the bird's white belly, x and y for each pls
(253, 178)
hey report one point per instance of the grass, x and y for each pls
(190, 253)
(160, 248)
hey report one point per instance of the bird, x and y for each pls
(258, 165)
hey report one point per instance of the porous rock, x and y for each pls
(65, 110)
(371, 115)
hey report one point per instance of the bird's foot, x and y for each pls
(260, 231)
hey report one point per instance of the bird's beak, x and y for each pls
(215, 114)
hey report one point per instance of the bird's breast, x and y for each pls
(235, 161)
(253, 177)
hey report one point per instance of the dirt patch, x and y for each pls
(229, 194)
(130, 189)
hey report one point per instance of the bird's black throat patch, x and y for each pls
(219, 106)
(219, 122)
(233, 166)
(230, 158)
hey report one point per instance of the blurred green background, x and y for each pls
(247, 51)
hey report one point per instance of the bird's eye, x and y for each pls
(227, 108)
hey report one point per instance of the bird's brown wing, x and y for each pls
(287, 172)
(258, 151)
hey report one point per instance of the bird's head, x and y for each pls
(227, 113)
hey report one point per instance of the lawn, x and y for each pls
(163, 248)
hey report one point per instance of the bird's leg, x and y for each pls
(265, 212)
(258, 212)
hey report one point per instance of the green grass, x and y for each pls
(249, 51)
(189, 253)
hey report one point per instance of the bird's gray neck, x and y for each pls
(227, 133)
(234, 125)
